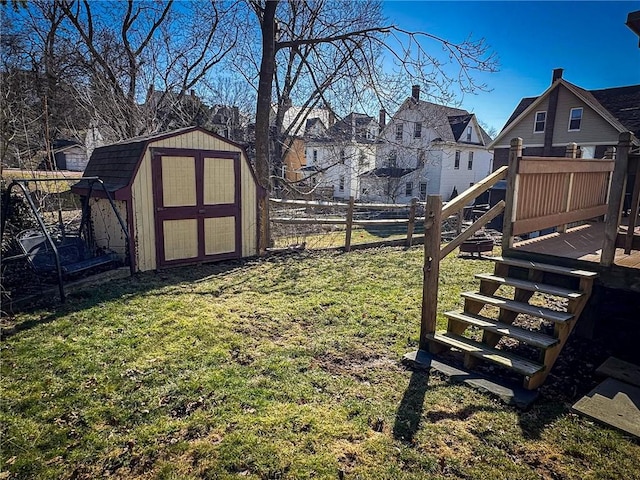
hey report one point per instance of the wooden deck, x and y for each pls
(583, 243)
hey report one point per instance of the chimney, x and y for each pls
(382, 118)
(415, 92)
(557, 74)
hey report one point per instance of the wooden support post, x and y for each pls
(633, 213)
(347, 239)
(572, 150)
(431, 269)
(511, 196)
(616, 194)
(412, 222)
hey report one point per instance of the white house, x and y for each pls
(427, 149)
(337, 156)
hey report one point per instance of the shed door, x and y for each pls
(197, 205)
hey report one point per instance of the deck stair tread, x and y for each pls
(519, 307)
(515, 262)
(533, 338)
(500, 357)
(531, 286)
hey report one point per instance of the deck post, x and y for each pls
(431, 269)
(511, 195)
(347, 239)
(616, 195)
(412, 221)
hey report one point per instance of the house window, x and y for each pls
(393, 159)
(421, 156)
(341, 184)
(575, 119)
(470, 163)
(456, 163)
(342, 156)
(423, 190)
(399, 128)
(315, 157)
(417, 132)
(408, 189)
(469, 134)
(539, 124)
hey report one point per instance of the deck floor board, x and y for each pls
(579, 243)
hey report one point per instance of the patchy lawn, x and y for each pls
(286, 368)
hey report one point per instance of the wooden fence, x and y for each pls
(547, 192)
(349, 220)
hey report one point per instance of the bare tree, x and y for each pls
(131, 47)
(319, 52)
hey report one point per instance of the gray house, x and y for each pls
(566, 113)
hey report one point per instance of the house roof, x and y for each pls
(449, 122)
(389, 172)
(354, 123)
(620, 106)
(116, 164)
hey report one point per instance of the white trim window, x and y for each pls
(456, 161)
(470, 162)
(417, 132)
(399, 131)
(540, 122)
(341, 183)
(408, 189)
(575, 119)
(469, 131)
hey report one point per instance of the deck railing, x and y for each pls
(548, 192)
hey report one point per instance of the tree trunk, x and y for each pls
(267, 68)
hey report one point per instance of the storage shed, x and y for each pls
(188, 196)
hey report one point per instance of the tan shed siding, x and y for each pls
(593, 129)
(219, 235)
(196, 140)
(142, 198)
(106, 227)
(219, 184)
(248, 210)
(180, 239)
(144, 216)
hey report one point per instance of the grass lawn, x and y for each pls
(281, 368)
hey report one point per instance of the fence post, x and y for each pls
(572, 150)
(347, 239)
(412, 221)
(616, 195)
(431, 269)
(511, 194)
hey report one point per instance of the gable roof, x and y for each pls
(620, 106)
(449, 122)
(116, 164)
(353, 126)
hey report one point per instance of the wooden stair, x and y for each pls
(521, 280)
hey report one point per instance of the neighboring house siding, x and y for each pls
(461, 178)
(294, 160)
(594, 129)
(524, 129)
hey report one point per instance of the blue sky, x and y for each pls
(588, 39)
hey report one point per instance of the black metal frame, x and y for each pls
(23, 185)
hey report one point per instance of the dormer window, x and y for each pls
(469, 131)
(539, 124)
(417, 132)
(575, 119)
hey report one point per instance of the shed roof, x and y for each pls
(116, 164)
